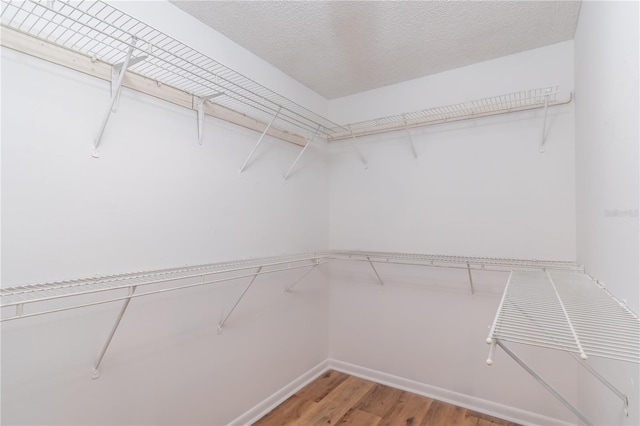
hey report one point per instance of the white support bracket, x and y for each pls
(604, 381)
(253, 151)
(413, 147)
(470, 277)
(357, 149)
(301, 152)
(544, 383)
(119, 69)
(201, 102)
(544, 124)
(375, 271)
(96, 371)
(255, 275)
(116, 71)
(314, 266)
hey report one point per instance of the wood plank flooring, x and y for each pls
(336, 398)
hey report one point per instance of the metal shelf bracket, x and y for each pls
(201, 102)
(253, 151)
(117, 75)
(357, 149)
(301, 152)
(544, 124)
(375, 271)
(96, 371)
(406, 128)
(470, 277)
(253, 278)
(314, 266)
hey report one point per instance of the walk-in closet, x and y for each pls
(230, 213)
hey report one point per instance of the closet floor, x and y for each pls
(340, 399)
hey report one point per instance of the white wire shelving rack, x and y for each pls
(98, 39)
(100, 32)
(566, 311)
(27, 301)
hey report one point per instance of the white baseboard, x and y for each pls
(490, 408)
(480, 405)
(261, 409)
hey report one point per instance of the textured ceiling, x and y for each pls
(338, 48)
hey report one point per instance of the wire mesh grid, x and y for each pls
(12, 296)
(422, 259)
(104, 33)
(566, 311)
(516, 101)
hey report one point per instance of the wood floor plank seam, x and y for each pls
(336, 398)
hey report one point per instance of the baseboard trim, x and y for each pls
(259, 410)
(480, 405)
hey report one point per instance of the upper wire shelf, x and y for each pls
(566, 311)
(511, 102)
(104, 33)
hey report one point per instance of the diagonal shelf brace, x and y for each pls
(544, 124)
(375, 271)
(201, 102)
(301, 152)
(604, 381)
(253, 151)
(253, 278)
(544, 383)
(470, 277)
(314, 266)
(413, 147)
(123, 309)
(114, 89)
(357, 149)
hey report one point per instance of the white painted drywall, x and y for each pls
(546, 66)
(478, 188)
(154, 199)
(607, 195)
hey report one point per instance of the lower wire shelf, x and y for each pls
(570, 312)
(48, 298)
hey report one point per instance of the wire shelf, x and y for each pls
(507, 264)
(104, 33)
(566, 311)
(511, 102)
(176, 278)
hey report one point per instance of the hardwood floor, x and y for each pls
(340, 399)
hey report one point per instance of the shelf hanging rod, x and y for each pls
(253, 151)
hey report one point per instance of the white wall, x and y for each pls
(607, 195)
(154, 199)
(478, 188)
(546, 66)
